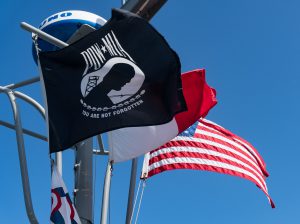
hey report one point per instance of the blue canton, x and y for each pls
(190, 132)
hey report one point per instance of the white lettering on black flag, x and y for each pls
(122, 75)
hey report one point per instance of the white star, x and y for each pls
(103, 49)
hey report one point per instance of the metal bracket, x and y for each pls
(144, 8)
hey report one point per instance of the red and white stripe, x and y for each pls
(212, 148)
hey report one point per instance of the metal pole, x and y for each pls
(23, 83)
(43, 35)
(101, 150)
(41, 110)
(58, 161)
(20, 141)
(31, 101)
(106, 193)
(28, 99)
(144, 8)
(25, 131)
(22, 157)
(100, 143)
(134, 164)
(83, 191)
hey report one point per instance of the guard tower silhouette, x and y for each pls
(92, 83)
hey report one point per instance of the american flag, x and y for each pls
(208, 146)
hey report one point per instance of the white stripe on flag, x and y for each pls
(206, 152)
(222, 138)
(211, 148)
(218, 145)
(186, 160)
(242, 141)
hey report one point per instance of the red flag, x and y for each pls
(208, 146)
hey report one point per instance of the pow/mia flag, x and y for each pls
(123, 75)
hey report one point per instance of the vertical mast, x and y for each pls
(83, 190)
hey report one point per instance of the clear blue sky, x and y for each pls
(250, 50)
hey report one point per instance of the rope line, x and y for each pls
(135, 200)
(142, 193)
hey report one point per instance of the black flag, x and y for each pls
(123, 75)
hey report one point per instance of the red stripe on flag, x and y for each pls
(204, 167)
(231, 142)
(228, 133)
(210, 148)
(221, 149)
(208, 157)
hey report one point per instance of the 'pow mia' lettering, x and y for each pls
(96, 56)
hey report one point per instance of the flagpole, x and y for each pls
(45, 36)
(23, 83)
(106, 194)
(129, 212)
(83, 191)
(58, 161)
